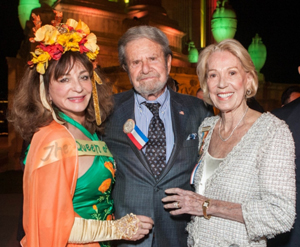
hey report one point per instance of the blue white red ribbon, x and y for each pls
(192, 179)
(135, 134)
(203, 135)
(138, 137)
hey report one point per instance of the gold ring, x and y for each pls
(176, 204)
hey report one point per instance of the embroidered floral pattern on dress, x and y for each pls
(110, 167)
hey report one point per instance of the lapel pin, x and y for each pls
(181, 113)
(135, 134)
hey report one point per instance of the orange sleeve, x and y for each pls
(48, 185)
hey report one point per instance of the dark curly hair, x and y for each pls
(28, 114)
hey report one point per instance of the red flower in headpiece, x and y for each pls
(55, 51)
(82, 47)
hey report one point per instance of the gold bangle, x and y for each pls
(205, 206)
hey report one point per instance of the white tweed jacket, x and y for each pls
(259, 173)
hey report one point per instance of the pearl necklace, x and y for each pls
(226, 139)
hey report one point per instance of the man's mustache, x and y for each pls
(153, 74)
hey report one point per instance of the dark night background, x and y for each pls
(276, 22)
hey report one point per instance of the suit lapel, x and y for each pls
(179, 115)
(127, 112)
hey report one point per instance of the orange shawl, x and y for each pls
(48, 185)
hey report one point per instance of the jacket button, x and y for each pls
(156, 189)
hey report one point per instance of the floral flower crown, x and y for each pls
(58, 38)
(55, 40)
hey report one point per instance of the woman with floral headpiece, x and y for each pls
(69, 172)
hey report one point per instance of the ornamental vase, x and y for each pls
(193, 53)
(258, 52)
(24, 10)
(223, 23)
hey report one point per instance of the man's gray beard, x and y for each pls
(145, 91)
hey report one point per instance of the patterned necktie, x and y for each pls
(156, 147)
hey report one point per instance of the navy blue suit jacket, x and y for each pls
(136, 190)
(290, 113)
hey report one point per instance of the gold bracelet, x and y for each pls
(205, 206)
(127, 226)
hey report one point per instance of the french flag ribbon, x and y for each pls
(192, 179)
(135, 134)
(203, 135)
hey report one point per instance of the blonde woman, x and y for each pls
(245, 179)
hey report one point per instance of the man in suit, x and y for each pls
(290, 94)
(290, 114)
(140, 182)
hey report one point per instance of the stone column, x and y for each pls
(15, 72)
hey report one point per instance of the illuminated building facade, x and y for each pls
(187, 24)
(184, 22)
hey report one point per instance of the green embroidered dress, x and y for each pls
(92, 198)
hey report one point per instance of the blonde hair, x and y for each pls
(236, 49)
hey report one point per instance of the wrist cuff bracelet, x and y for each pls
(205, 206)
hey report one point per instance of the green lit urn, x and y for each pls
(26, 6)
(193, 53)
(258, 52)
(24, 9)
(223, 23)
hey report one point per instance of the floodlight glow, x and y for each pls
(24, 9)
(223, 23)
(193, 53)
(258, 52)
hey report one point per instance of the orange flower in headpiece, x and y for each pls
(78, 26)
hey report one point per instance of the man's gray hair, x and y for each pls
(139, 32)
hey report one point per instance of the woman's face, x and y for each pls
(71, 92)
(227, 81)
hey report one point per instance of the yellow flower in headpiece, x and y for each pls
(46, 34)
(70, 41)
(78, 25)
(41, 60)
(92, 55)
